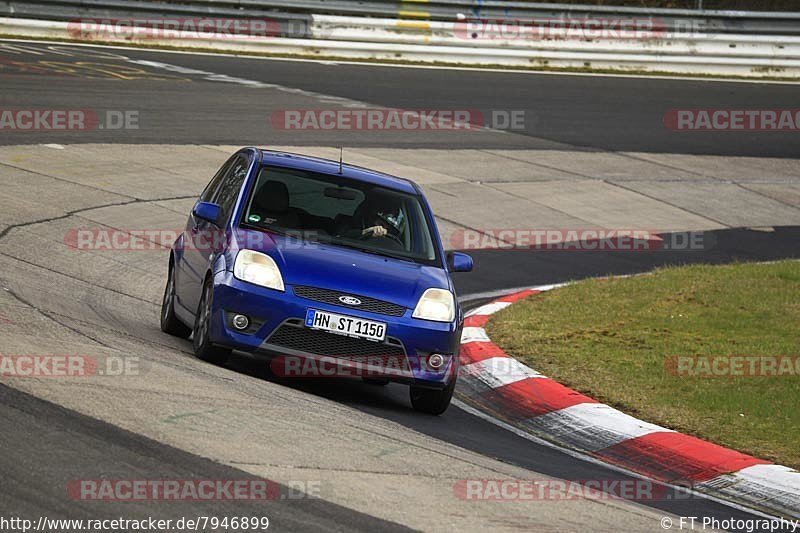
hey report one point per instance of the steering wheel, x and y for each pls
(395, 238)
(390, 233)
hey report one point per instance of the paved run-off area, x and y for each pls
(467, 188)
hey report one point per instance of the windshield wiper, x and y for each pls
(329, 239)
(374, 251)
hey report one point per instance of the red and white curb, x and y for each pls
(492, 381)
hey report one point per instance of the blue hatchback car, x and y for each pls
(329, 269)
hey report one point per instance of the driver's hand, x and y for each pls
(377, 231)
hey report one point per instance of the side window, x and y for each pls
(230, 187)
(213, 185)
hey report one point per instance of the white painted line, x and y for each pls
(490, 294)
(550, 287)
(498, 371)
(212, 76)
(488, 309)
(505, 292)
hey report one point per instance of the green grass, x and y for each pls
(610, 339)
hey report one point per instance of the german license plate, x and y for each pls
(345, 325)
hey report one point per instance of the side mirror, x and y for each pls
(459, 262)
(206, 211)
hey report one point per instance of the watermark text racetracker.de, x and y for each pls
(155, 239)
(583, 239)
(732, 119)
(550, 28)
(66, 366)
(733, 366)
(179, 28)
(383, 119)
(505, 490)
(129, 490)
(356, 366)
(68, 120)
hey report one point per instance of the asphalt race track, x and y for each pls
(590, 113)
(378, 464)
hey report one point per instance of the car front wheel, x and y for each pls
(203, 348)
(432, 401)
(169, 322)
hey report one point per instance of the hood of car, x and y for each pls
(348, 271)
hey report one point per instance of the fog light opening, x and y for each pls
(436, 361)
(240, 322)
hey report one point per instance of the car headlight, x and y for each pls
(257, 268)
(436, 304)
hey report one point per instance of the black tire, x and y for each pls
(203, 348)
(432, 401)
(169, 322)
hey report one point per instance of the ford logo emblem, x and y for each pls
(349, 300)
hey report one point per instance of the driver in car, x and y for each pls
(379, 218)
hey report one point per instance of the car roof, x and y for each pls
(329, 166)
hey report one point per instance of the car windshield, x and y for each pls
(340, 211)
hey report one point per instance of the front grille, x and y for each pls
(302, 339)
(371, 305)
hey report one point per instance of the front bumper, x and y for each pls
(269, 309)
